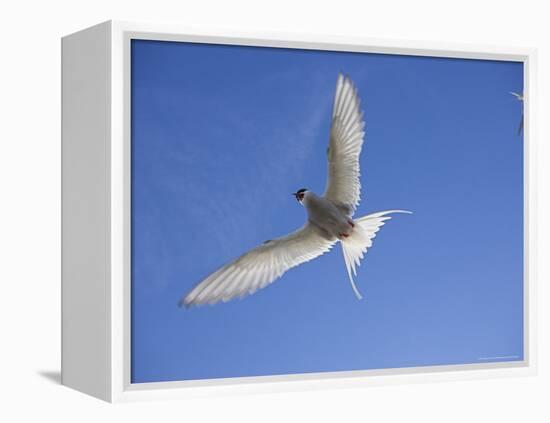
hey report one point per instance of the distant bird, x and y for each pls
(520, 98)
(330, 217)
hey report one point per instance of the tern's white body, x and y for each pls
(329, 217)
(331, 220)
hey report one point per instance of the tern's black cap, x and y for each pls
(299, 194)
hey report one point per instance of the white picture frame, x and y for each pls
(96, 213)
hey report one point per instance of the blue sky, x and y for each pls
(221, 135)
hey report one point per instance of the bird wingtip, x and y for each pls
(399, 211)
(183, 303)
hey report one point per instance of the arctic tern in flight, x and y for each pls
(329, 217)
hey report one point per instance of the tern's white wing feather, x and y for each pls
(346, 140)
(259, 267)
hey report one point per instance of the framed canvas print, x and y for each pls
(263, 212)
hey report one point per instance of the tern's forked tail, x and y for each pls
(355, 246)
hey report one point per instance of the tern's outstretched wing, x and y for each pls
(346, 139)
(259, 267)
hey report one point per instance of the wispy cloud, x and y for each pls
(283, 140)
